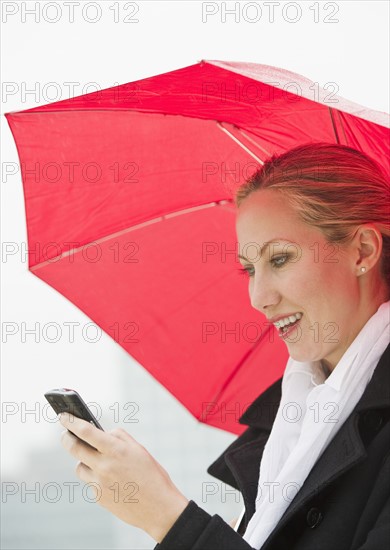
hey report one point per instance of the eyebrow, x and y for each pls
(265, 246)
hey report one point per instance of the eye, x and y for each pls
(276, 262)
(279, 261)
(247, 270)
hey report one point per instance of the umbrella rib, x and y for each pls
(223, 203)
(234, 372)
(239, 143)
(334, 125)
(253, 142)
(342, 127)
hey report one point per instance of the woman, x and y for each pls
(317, 474)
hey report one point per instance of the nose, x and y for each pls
(263, 294)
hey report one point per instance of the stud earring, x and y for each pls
(363, 269)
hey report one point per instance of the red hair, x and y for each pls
(332, 187)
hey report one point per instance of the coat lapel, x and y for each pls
(239, 465)
(347, 447)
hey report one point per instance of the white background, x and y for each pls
(40, 58)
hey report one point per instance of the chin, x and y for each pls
(301, 355)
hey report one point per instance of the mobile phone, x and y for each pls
(67, 400)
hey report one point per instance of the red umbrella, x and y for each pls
(128, 195)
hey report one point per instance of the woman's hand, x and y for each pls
(129, 482)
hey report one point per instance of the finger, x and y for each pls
(85, 473)
(87, 432)
(80, 450)
(121, 434)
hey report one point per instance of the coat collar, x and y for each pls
(261, 413)
(347, 447)
(239, 465)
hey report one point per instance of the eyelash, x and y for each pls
(245, 270)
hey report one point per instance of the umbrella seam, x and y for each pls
(334, 125)
(238, 367)
(342, 126)
(172, 214)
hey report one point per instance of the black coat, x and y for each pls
(344, 502)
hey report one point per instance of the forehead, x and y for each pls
(266, 214)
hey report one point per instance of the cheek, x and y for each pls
(307, 281)
(311, 288)
(326, 292)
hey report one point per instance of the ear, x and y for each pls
(367, 243)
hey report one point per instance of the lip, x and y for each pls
(285, 335)
(278, 317)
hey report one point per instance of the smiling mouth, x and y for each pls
(285, 330)
(288, 320)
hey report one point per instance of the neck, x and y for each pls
(325, 368)
(366, 310)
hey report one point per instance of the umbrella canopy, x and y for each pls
(128, 196)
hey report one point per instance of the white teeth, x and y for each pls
(287, 320)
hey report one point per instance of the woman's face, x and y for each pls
(299, 273)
